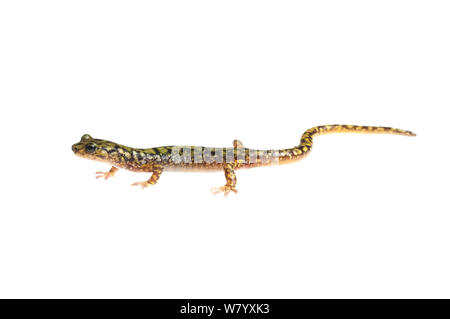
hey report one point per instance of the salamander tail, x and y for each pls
(306, 140)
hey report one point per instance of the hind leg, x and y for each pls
(230, 178)
(238, 144)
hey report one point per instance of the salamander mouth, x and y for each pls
(79, 149)
(76, 148)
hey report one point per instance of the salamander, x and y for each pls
(229, 159)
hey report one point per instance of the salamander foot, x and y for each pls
(142, 184)
(223, 189)
(107, 174)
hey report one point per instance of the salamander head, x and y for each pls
(92, 148)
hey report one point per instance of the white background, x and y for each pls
(362, 216)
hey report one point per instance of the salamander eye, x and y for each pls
(86, 137)
(90, 147)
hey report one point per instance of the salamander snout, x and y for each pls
(79, 147)
(76, 147)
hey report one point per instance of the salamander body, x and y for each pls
(156, 160)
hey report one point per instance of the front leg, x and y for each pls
(108, 174)
(230, 177)
(157, 171)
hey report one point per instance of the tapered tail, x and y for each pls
(307, 137)
(306, 141)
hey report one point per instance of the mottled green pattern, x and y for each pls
(155, 160)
